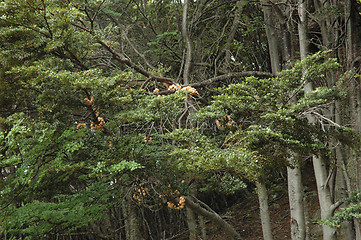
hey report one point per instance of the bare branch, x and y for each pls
(121, 58)
(232, 75)
(137, 52)
(336, 205)
(327, 119)
(98, 10)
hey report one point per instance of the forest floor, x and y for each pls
(245, 216)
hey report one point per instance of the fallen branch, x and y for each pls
(213, 216)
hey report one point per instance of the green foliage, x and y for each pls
(67, 214)
(265, 119)
(161, 39)
(195, 152)
(224, 183)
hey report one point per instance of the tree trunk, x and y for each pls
(342, 180)
(271, 33)
(302, 28)
(131, 220)
(230, 38)
(192, 224)
(327, 208)
(295, 194)
(188, 58)
(350, 46)
(324, 196)
(264, 211)
(295, 186)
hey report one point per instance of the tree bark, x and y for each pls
(350, 46)
(271, 33)
(342, 180)
(188, 58)
(329, 33)
(327, 208)
(264, 211)
(302, 28)
(295, 195)
(295, 187)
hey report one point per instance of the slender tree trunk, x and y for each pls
(342, 179)
(307, 216)
(188, 57)
(350, 46)
(327, 208)
(295, 194)
(324, 195)
(270, 27)
(264, 211)
(352, 57)
(302, 28)
(126, 218)
(295, 186)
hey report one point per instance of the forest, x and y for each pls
(163, 119)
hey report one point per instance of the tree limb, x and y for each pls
(335, 206)
(194, 206)
(136, 51)
(232, 75)
(121, 58)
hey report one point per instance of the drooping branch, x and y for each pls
(213, 216)
(233, 75)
